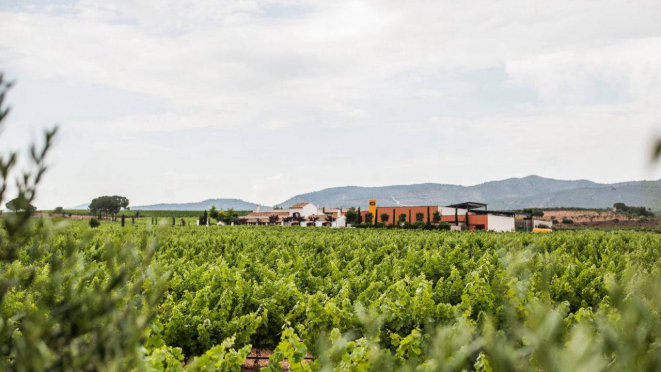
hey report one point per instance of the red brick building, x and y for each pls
(469, 214)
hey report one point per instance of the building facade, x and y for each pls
(299, 214)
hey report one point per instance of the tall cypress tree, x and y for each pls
(394, 219)
(428, 222)
(122, 220)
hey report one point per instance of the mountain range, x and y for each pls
(224, 204)
(511, 193)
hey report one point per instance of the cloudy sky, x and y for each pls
(178, 101)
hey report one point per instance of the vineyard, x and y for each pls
(365, 299)
(139, 213)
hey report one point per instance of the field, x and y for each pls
(130, 213)
(376, 299)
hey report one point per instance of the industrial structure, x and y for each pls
(468, 215)
(462, 216)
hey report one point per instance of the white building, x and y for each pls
(299, 214)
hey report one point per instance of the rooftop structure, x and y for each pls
(469, 205)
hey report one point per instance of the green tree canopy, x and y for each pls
(214, 214)
(20, 204)
(109, 204)
(351, 216)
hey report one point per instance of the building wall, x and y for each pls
(536, 223)
(307, 210)
(405, 210)
(474, 220)
(450, 211)
(501, 223)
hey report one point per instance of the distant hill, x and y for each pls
(82, 206)
(225, 204)
(512, 193)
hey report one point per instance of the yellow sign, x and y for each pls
(372, 208)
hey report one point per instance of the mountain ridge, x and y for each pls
(220, 203)
(512, 193)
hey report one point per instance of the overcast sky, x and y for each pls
(179, 101)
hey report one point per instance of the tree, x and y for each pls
(20, 204)
(369, 217)
(535, 212)
(109, 205)
(79, 316)
(274, 219)
(437, 217)
(330, 219)
(385, 217)
(229, 216)
(360, 217)
(402, 217)
(122, 220)
(213, 213)
(59, 210)
(351, 216)
(419, 217)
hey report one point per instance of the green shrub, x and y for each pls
(94, 222)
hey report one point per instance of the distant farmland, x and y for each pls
(132, 213)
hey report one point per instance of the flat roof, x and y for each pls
(468, 205)
(505, 213)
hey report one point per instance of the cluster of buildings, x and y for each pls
(299, 214)
(469, 215)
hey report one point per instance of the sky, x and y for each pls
(167, 101)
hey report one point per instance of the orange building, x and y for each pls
(470, 214)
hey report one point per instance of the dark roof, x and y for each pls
(504, 213)
(468, 205)
(268, 214)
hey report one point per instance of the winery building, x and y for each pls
(472, 215)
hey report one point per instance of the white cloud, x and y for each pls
(165, 122)
(576, 78)
(633, 67)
